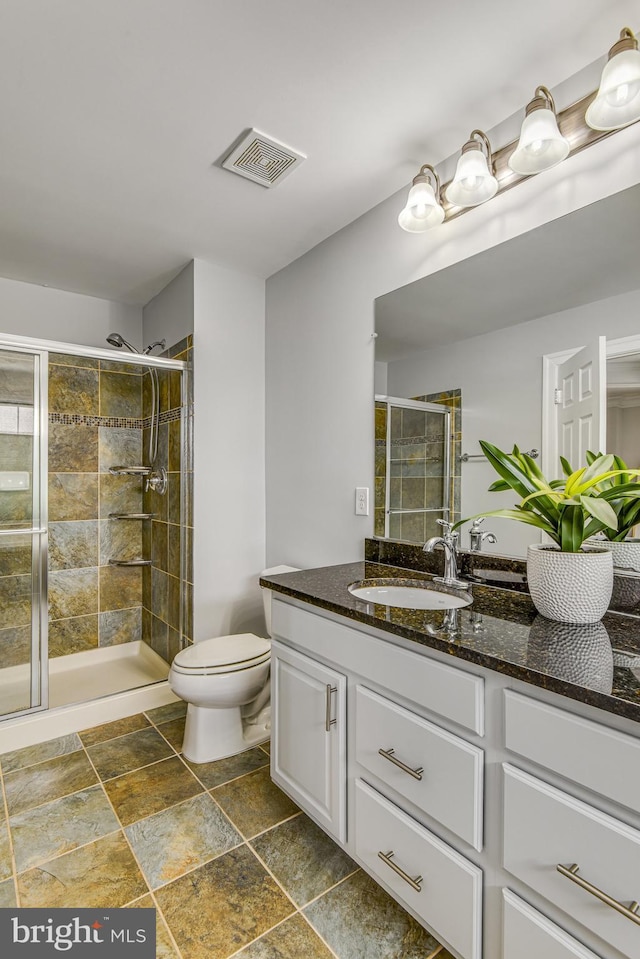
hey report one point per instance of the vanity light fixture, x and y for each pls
(474, 182)
(617, 102)
(541, 145)
(481, 173)
(423, 208)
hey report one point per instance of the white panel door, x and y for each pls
(581, 419)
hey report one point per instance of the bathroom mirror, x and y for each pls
(483, 326)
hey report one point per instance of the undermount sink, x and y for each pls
(408, 594)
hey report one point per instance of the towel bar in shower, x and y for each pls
(534, 454)
(130, 562)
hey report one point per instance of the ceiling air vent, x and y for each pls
(262, 159)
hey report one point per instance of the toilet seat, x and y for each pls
(222, 654)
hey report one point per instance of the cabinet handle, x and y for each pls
(389, 754)
(631, 911)
(328, 721)
(387, 858)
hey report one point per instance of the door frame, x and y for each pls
(39, 651)
(621, 346)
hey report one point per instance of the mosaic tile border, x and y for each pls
(114, 422)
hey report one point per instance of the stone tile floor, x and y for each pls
(114, 816)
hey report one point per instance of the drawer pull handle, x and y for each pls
(387, 857)
(389, 754)
(632, 911)
(328, 721)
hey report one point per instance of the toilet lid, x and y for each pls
(240, 650)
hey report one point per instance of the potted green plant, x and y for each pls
(624, 547)
(567, 582)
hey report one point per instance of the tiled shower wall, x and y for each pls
(161, 583)
(380, 468)
(99, 413)
(95, 422)
(452, 399)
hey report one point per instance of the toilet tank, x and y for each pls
(267, 594)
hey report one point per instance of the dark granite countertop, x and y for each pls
(501, 630)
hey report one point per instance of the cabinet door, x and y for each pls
(308, 752)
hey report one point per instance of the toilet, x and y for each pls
(225, 682)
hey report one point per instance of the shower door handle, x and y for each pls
(21, 532)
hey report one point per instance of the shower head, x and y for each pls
(152, 346)
(116, 339)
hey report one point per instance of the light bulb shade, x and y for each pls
(422, 210)
(473, 183)
(617, 102)
(541, 145)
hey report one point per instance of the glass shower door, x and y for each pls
(416, 468)
(23, 536)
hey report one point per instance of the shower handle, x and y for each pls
(157, 481)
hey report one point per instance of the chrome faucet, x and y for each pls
(449, 543)
(450, 624)
(477, 536)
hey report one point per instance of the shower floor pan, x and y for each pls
(82, 677)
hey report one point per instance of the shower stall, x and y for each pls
(95, 520)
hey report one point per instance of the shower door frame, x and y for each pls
(40, 602)
(39, 672)
(391, 401)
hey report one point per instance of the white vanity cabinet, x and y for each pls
(414, 788)
(461, 790)
(579, 850)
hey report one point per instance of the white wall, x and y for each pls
(44, 313)
(500, 375)
(623, 432)
(380, 379)
(320, 353)
(229, 384)
(169, 315)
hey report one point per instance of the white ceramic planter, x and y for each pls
(626, 554)
(578, 653)
(570, 587)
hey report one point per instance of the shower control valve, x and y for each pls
(157, 481)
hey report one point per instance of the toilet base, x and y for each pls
(212, 734)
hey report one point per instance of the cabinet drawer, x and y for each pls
(443, 775)
(449, 893)
(446, 690)
(527, 934)
(544, 827)
(586, 752)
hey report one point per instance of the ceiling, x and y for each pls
(116, 115)
(523, 279)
